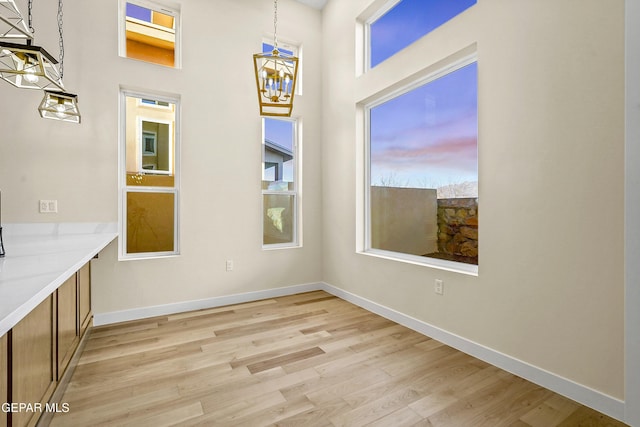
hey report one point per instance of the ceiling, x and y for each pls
(317, 4)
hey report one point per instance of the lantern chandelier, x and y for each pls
(12, 25)
(60, 105)
(276, 77)
(32, 67)
(27, 66)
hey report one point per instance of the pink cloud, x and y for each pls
(454, 153)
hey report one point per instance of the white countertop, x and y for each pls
(41, 257)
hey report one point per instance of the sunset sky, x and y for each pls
(427, 137)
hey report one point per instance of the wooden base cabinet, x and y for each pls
(36, 353)
(4, 377)
(33, 376)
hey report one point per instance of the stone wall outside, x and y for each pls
(458, 227)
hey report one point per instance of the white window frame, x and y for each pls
(364, 239)
(123, 188)
(379, 13)
(167, 9)
(297, 185)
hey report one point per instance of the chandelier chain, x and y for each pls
(61, 40)
(30, 17)
(275, 24)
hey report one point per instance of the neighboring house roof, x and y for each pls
(279, 149)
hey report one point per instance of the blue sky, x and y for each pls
(428, 137)
(409, 20)
(138, 12)
(281, 132)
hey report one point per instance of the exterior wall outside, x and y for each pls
(458, 227)
(404, 220)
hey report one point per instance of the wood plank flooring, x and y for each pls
(303, 360)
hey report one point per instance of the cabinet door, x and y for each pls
(67, 323)
(4, 378)
(84, 297)
(32, 344)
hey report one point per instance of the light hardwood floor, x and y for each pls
(304, 360)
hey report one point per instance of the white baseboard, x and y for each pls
(100, 319)
(594, 399)
(601, 402)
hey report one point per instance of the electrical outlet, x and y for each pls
(48, 206)
(229, 264)
(438, 287)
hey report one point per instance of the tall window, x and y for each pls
(280, 183)
(423, 170)
(148, 219)
(149, 32)
(393, 29)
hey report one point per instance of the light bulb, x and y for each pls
(60, 110)
(30, 76)
(287, 80)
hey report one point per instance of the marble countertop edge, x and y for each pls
(22, 267)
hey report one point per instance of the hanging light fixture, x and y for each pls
(27, 66)
(12, 25)
(60, 105)
(276, 77)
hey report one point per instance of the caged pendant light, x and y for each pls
(12, 25)
(27, 66)
(276, 76)
(60, 105)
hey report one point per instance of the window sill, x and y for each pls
(440, 264)
(145, 256)
(278, 246)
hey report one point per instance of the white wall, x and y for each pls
(551, 157)
(220, 195)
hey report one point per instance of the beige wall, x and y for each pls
(550, 285)
(220, 198)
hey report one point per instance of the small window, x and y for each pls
(154, 103)
(423, 171)
(148, 143)
(279, 183)
(149, 32)
(148, 217)
(393, 29)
